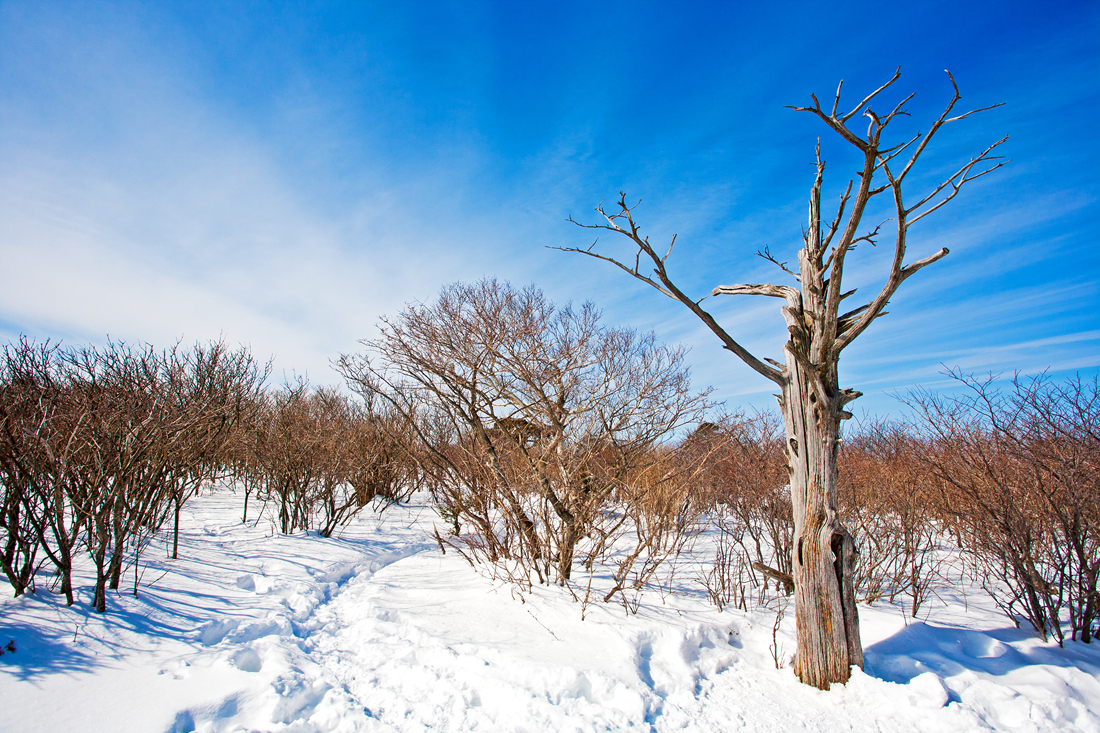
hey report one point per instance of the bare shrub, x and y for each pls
(886, 496)
(98, 441)
(536, 427)
(27, 498)
(884, 492)
(744, 476)
(661, 507)
(320, 457)
(1019, 474)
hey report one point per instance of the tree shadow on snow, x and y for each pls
(949, 650)
(37, 653)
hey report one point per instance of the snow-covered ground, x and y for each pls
(377, 630)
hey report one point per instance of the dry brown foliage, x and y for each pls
(319, 458)
(886, 496)
(744, 481)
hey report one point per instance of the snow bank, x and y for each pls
(376, 630)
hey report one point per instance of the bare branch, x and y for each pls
(630, 271)
(912, 268)
(664, 284)
(839, 215)
(836, 100)
(767, 255)
(670, 246)
(896, 111)
(869, 97)
(956, 187)
(868, 237)
(885, 156)
(774, 291)
(943, 120)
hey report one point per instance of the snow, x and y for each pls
(377, 630)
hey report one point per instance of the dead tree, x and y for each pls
(811, 398)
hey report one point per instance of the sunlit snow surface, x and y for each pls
(378, 631)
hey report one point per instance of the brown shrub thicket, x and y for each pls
(884, 499)
(744, 486)
(1008, 477)
(99, 446)
(318, 458)
(1018, 474)
(548, 444)
(887, 498)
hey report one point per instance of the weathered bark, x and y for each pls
(115, 571)
(824, 551)
(567, 546)
(784, 579)
(119, 533)
(66, 538)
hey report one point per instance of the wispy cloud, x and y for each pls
(284, 183)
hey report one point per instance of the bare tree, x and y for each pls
(532, 420)
(96, 445)
(25, 412)
(811, 399)
(208, 390)
(319, 456)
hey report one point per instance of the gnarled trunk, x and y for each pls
(824, 553)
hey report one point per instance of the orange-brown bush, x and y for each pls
(320, 457)
(884, 498)
(887, 498)
(744, 482)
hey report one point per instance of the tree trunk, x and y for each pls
(99, 599)
(116, 566)
(67, 583)
(176, 526)
(66, 538)
(566, 547)
(824, 553)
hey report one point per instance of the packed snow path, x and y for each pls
(377, 630)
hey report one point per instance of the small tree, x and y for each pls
(811, 398)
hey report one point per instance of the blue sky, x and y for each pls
(283, 175)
